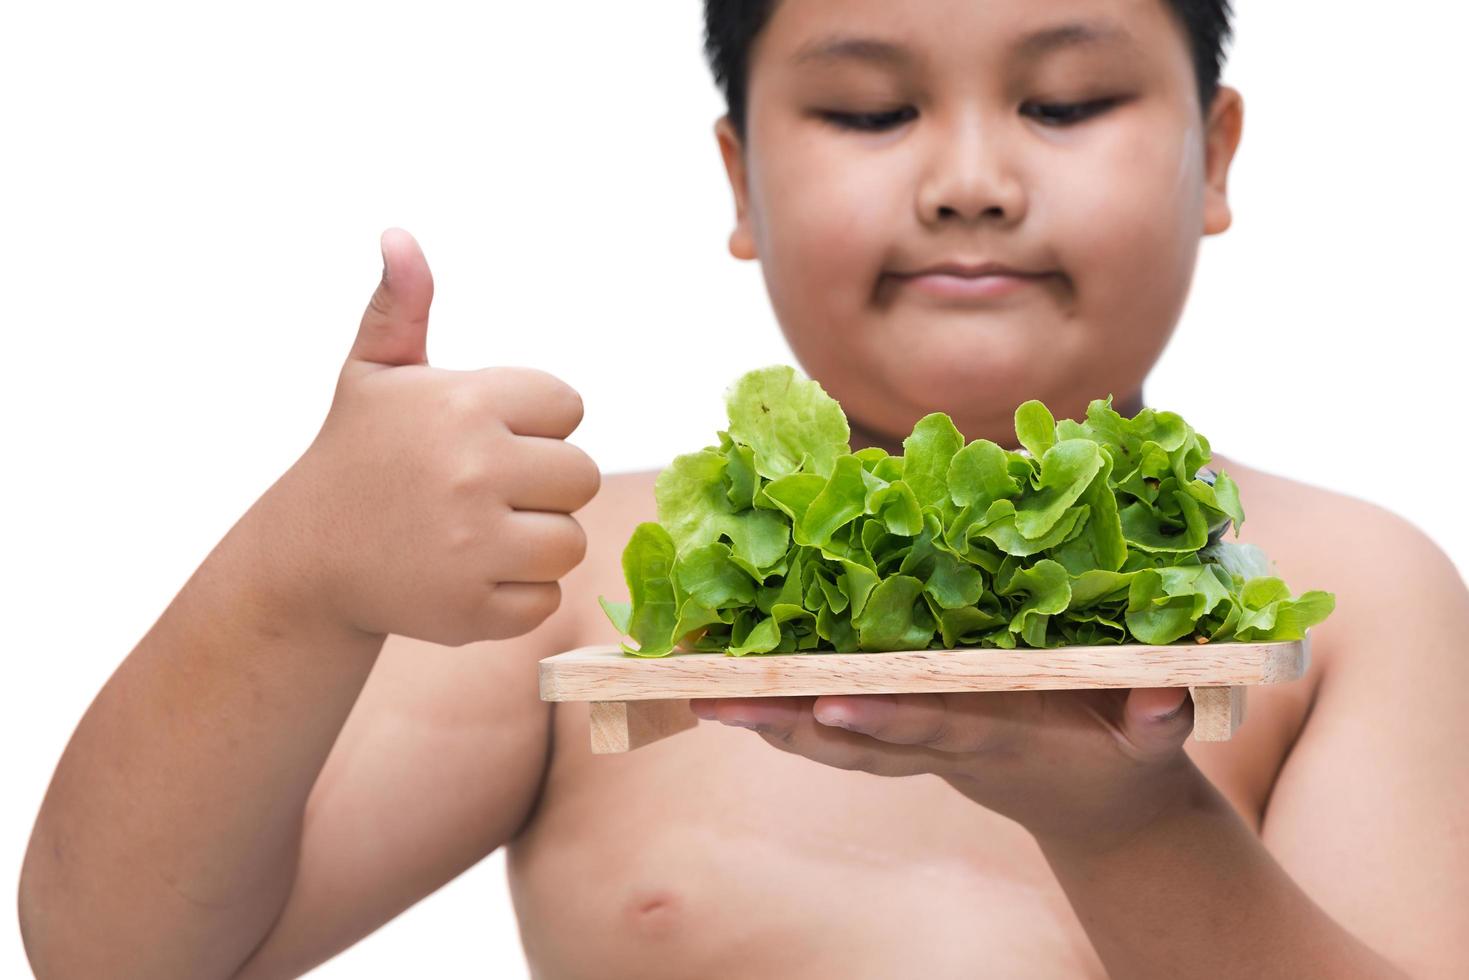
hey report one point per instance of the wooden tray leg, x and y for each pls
(621, 726)
(1218, 712)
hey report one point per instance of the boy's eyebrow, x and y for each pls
(843, 47)
(1070, 35)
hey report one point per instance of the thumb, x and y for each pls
(394, 328)
(1157, 719)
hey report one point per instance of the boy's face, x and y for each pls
(963, 160)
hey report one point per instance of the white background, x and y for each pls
(190, 206)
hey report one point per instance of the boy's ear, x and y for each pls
(741, 240)
(1221, 139)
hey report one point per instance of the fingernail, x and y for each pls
(743, 723)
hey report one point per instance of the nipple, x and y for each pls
(655, 912)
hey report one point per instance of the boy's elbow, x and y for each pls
(50, 922)
(33, 935)
(49, 948)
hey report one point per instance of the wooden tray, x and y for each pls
(639, 700)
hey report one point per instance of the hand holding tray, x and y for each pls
(639, 700)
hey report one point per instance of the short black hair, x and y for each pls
(730, 28)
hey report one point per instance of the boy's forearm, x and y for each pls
(167, 841)
(1198, 894)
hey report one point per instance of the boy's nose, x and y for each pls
(969, 178)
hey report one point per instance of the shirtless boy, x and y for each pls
(338, 713)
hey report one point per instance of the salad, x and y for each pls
(781, 539)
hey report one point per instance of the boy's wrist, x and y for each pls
(1174, 798)
(272, 565)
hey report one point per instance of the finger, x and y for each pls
(750, 711)
(515, 608)
(937, 721)
(1157, 720)
(540, 546)
(788, 724)
(534, 402)
(394, 328)
(552, 475)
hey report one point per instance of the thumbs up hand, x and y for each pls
(434, 503)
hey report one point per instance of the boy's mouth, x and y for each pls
(958, 280)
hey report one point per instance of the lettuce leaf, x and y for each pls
(781, 539)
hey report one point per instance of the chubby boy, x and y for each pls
(957, 205)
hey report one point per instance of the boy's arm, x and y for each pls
(433, 504)
(1370, 812)
(439, 764)
(181, 825)
(1362, 865)
(167, 839)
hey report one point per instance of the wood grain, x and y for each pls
(1218, 712)
(621, 726)
(605, 673)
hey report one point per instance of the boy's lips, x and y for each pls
(959, 280)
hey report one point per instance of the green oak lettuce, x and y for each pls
(780, 539)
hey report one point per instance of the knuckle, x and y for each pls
(465, 402)
(491, 377)
(525, 379)
(467, 477)
(555, 393)
(462, 538)
(938, 732)
(957, 727)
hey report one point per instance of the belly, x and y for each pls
(713, 854)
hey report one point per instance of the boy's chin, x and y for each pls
(952, 355)
(891, 398)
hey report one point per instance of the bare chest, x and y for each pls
(713, 854)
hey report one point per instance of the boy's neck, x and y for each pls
(862, 437)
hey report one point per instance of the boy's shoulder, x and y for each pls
(1395, 586)
(1319, 537)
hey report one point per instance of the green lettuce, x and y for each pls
(781, 539)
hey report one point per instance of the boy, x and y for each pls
(291, 757)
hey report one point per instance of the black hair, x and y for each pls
(730, 28)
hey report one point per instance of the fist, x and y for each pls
(437, 504)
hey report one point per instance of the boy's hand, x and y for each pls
(1083, 768)
(434, 503)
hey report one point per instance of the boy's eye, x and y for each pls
(1049, 113)
(870, 122)
(1065, 113)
